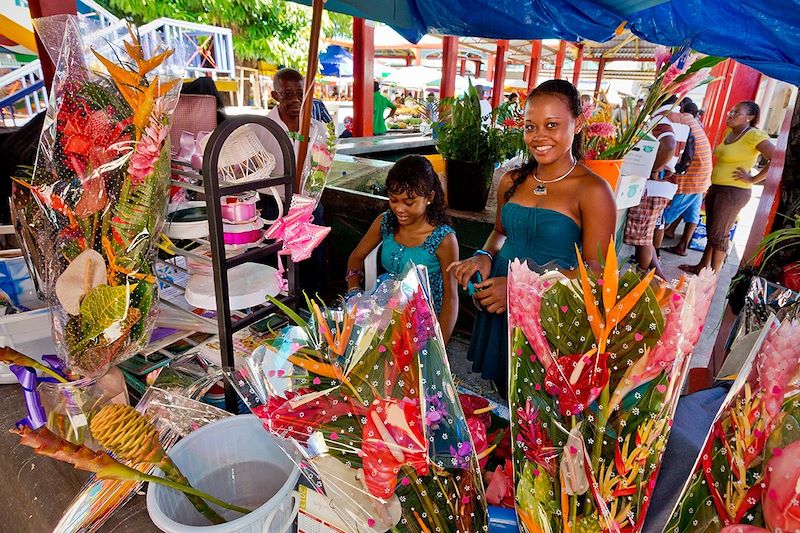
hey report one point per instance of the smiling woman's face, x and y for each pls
(549, 128)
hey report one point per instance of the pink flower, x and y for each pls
(588, 110)
(591, 154)
(147, 151)
(739, 528)
(533, 439)
(500, 486)
(690, 82)
(777, 363)
(602, 129)
(780, 500)
(525, 290)
(662, 55)
(672, 72)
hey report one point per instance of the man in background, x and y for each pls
(694, 178)
(379, 106)
(486, 106)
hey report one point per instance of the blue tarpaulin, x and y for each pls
(758, 33)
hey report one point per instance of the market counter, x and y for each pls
(37, 490)
(386, 147)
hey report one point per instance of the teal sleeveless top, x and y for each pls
(395, 257)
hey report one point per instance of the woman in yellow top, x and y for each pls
(731, 180)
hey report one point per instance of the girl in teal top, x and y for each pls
(416, 229)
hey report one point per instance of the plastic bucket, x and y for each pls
(236, 460)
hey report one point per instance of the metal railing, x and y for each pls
(28, 85)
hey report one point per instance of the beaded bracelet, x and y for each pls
(484, 252)
(354, 272)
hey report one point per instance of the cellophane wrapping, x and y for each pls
(363, 400)
(101, 183)
(597, 364)
(747, 477)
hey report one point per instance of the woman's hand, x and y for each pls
(742, 175)
(492, 294)
(464, 270)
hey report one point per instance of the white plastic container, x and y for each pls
(261, 472)
(30, 334)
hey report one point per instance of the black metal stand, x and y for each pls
(214, 191)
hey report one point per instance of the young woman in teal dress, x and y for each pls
(544, 209)
(416, 229)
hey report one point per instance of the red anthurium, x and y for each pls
(476, 407)
(280, 416)
(577, 381)
(391, 439)
(480, 440)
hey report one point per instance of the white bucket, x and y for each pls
(237, 461)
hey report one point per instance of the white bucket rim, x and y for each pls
(165, 523)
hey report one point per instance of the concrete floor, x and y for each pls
(457, 349)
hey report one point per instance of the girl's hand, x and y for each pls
(742, 175)
(464, 270)
(492, 294)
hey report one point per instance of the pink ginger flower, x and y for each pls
(588, 110)
(147, 151)
(662, 55)
(690, 82)
(685, 315)
(777, 364)
(591, 154)
(602, 129)
(525, 290)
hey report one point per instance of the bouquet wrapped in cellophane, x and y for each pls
(597, 365)
(747, 478)
(364, 401)
(101, 181)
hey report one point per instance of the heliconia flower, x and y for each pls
(577, 380)
(392, 438)
(525, 290)
(777, 363)
(533, 439)
(662, 55)
(780, 500)
(601, 129)
(147, 151)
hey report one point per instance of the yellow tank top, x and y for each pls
(740, 153)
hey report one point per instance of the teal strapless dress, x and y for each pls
(545, 238)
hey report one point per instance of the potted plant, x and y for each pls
(678, 71)
(470, 148)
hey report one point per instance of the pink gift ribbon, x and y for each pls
(246, 237)
(191, 150)
(299, 236)
(239, 211)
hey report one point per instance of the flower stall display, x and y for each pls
(597, 365)
(678, 71)
(747, 477)
(366, 398)
(101, 179)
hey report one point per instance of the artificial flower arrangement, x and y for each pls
(678, 71)
(366, 397)
(747, 478)
(597, 364)
(101, 180)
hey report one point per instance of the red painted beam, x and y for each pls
(576, 73)
(478, 68)
(363, 76)
(739, 82)
(462, 70)
(536, 59)
(449, 62)
(601, 67)
(560, 55)
(46, 8)
(499, 73)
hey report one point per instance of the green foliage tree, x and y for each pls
(274, 30)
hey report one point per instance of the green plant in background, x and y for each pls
(462, 135)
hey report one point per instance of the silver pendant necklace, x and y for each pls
(541, 188)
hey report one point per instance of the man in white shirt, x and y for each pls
(486, 106)
(645, 217)
(288, 89)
